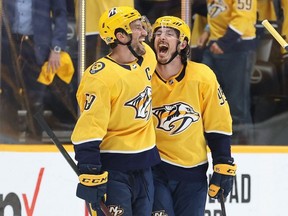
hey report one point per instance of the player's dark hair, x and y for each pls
(184, 53)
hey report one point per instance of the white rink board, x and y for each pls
(261, 186)
(56, 195)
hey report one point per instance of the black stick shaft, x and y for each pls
(55, 140)
(43, 124)
(222, 204)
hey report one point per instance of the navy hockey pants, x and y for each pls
(175, 198)
(130, 193)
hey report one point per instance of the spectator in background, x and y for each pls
(199, 21)
(189, 108)
(265, 10)
(230, 53)
(34, 31)
(95, 46)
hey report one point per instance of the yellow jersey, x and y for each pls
(185, 107)
(240, 16)
(115, 105)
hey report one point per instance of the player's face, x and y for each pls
(165, 43)
(138, 36)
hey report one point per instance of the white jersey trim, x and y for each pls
(236, 30)
(127, 152)
(219, 132)
(85, 141)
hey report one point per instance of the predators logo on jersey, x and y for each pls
(216, 7)
(142, 103)
(159, 213)
(116, 210)
(97, 66)
(176, 117)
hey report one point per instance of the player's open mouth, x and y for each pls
(162, 48)
(141, 40)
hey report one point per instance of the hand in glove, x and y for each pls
(92, 185)
(222, 178)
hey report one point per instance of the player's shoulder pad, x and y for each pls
(200, 68)
(96, 67)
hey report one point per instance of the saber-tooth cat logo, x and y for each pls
(142, 103)
(176, 117)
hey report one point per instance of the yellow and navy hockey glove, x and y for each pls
(222, 178)
(93, 184)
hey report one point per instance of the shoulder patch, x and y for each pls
(96, 67)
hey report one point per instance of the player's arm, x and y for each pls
(224, 168)
(242, 16)
(87, 135)
(218, 131)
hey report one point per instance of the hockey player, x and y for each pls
(114, 134)
(189, 108)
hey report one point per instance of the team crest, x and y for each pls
(216, 7)
(142, 103)
(116, 210)
(175, 118)
(159, 213)
(97, 66)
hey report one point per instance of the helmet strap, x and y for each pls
(128, 44)
(133, 51)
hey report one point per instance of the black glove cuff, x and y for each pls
(224, 160)
(89, 169)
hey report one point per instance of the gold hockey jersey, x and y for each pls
(115, 104)
(184, 107)
(198, 27)
(240, 16)
(266, 10)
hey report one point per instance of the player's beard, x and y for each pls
(162, 60)
(138, 47)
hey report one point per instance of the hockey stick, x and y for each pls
(275, 34)
(43, 124)
(221, 199)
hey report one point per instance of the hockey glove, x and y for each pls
(222, 179)
(92, 186)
